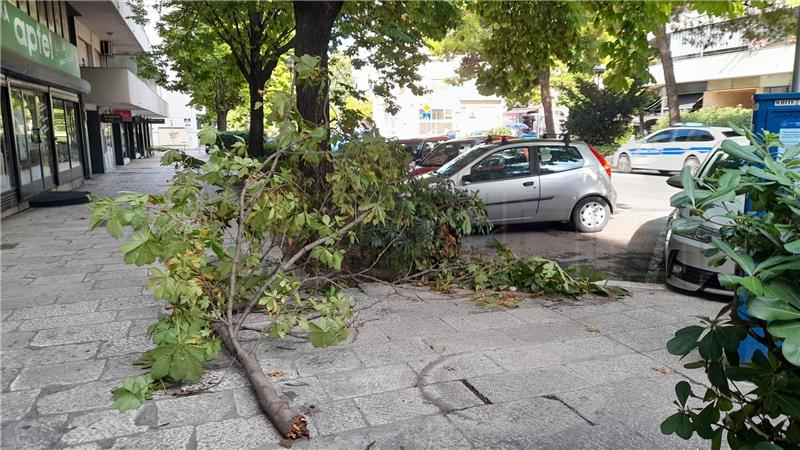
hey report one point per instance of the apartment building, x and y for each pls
(716, 67)
(72, 104)
(457, 109)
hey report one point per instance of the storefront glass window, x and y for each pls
(32, 135)
(107, 135)
(7, 176)
(60, 132)
(72, 132)
(21, 136)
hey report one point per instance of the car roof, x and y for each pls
(699, 127)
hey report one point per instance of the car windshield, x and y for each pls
(444, 152)
(464, 159)
(720, 164)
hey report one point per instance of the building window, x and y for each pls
(435, 121)
(777, 89)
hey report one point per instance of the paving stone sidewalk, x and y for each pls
(424, 371)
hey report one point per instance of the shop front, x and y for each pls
(41, 125)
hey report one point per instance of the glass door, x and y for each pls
(68, 148)
(8, 178)
(31, 127)
(107, 137)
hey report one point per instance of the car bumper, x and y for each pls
(688, 268)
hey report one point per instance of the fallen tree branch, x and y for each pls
(289, 423)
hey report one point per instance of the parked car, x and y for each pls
(446, 151)
(671, 149)
(686, 265)
(421, 146)
(536, 181)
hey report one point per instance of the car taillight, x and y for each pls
(602, 160)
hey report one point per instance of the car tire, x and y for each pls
(693, 164)
(591, 215)
(624, 163)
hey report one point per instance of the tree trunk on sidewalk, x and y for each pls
(662, 44)
(290, 423)
(547, 103)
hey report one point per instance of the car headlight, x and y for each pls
(701, 234)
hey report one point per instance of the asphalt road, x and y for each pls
(629, 248)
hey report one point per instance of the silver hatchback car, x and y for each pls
(537, 181)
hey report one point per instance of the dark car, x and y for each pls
(418, 148)
(446, 151)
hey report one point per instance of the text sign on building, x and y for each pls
(125, 114)
(26, 36)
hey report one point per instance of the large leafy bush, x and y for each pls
(753, 405)
(600, 116)
(714, 117)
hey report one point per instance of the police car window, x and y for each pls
(682, 135)
(700, 136)
(664, 136)
(558, 158)
(730, 133)
(508, 163)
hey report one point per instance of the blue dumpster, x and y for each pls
(780, 114)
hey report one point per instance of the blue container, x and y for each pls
(780, 114)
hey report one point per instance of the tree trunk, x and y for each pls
(547, 103)
(662, 43)
(255, 146)
(290, 423)
(314, 24)
(222, 119)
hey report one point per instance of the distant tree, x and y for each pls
(200, 67)
(600, 116)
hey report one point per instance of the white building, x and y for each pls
(446, 108)
(179, 130)
(715, 69)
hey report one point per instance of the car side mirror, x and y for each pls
(467, 179)
(675, 181)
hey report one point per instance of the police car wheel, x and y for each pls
(693, 164)
(624, 164)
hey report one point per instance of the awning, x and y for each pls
(18, 66)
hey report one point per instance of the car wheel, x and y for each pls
(624, 163)
(693, 164)
(591, 215)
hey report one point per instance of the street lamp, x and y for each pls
(599, 70)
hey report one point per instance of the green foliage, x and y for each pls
(536, 275)
(764, 243)
(134, 391)
(600, 116)
(714, 117)
(425, 230)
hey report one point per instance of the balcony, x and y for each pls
(110, 20)
(118, 87)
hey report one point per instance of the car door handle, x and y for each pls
(528, 183)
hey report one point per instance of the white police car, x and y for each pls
(672, 149)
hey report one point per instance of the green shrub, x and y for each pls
(713, 117)
(600, 116)
(752, 405)
(226, 139)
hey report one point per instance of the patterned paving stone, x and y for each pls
(17, 404)
(36, 312)
(394, 406)
(58, 374)
(101, 425)
(251, 432)
(85, 333)
(167, 439)
(125, 345)
(394, 352)
(67, 321)
(81, 397)
(368, 381)
(16, 339)
(336, 417)
(512, 386)
(428, 432)
(196, 409)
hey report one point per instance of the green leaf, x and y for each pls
(685, 428)
(766, 308)
(114, 226)
(207, 136)
(789, 330)
(683, 390)
(764, 445)
(685, 340)
(744, 261)
(671, 423)
(125, 401)
(688, 183)
(737, 151)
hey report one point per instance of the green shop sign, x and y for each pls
(24, 35)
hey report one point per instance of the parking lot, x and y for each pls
(629, 248)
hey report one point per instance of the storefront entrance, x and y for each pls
(67, 139)
(31, 131)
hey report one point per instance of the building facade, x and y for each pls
(179, 130)
(459, 110)
(717, 67)
(71, 102)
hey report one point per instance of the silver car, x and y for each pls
(686, 265)
(537, 181)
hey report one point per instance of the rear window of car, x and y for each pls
(730, 133)
(558, 158)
